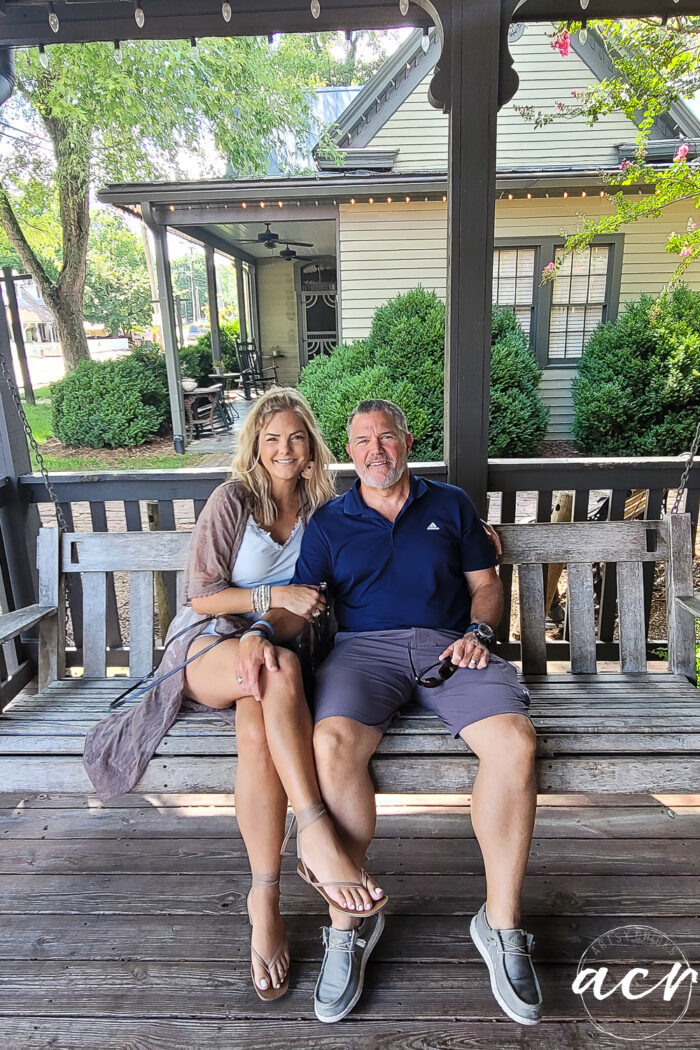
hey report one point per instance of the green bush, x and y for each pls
(402, 360)
(637, 392)
(112, 404)
(196, 360)
(517, 416)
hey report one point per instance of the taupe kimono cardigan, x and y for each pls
(118, 749)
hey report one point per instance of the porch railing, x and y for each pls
(518, 490)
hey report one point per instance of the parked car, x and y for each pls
(193, 332)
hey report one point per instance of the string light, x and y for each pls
(425, 39)
(43, 57)
(53, 19)
(139, 16)
(444, 198)
(352, 200)
(388, 200)
(403, 7)
(565, 194)
(172, 207)
(316, 8)
(408, 200)
(583, 33)
(529, 196)
(243, 204)
(584, 4)
(510, 196)
(280, 204)
(602, 193)
(193, 41)
(226, 12)
(118, 53)
(262, 204)
(371, 200)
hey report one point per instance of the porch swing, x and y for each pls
(612, 732)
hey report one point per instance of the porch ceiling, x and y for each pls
(320, 234)
(25, 22)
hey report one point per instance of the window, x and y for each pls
(578, 300)
(514, 282)
(559, 316)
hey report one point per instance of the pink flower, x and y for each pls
(692, 225)
(562, 43)
(682, 152)
(577, 93)
(686, 252)
(625, 165)
(549, 267)
(559, 106)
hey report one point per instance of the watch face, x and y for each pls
(485, 632)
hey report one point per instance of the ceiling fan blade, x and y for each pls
(300, 244)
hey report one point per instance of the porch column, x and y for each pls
(167, 317)
(18, 518)
(18, 334)
(213, 306)
(466, 86)
(240, 292)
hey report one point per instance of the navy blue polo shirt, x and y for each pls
(387, 575)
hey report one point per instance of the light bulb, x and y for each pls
(43, 57)
(403, 7)
(139, 16)
(584, 4)
(316, 8)
(53, 19)
(582, 35)
(226, 12)
(193, 41)
(118, 57)
(425, 39)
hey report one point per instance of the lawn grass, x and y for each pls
(39, 419)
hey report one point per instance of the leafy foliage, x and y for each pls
(112, 404)
(402, 360)
(117, 292)
(637, 392)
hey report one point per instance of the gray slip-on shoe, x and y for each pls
(342, 975)
(513, 979)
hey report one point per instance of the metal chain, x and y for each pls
(9, 378)
(686, 473)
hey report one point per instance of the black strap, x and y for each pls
(147, 678)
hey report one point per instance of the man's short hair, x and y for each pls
(380, 405)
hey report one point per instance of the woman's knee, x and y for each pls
(251, 737)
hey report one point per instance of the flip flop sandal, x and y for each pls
(271, 993)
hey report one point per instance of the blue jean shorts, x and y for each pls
(368, 677)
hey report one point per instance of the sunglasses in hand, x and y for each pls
(445, 670)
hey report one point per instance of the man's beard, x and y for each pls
(385, 483)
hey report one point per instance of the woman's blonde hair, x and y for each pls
(249, 471)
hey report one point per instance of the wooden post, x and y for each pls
(167, 314)
(473, 79)
(165, 613)
(18, 335)
(240, 292)
(563, 509)
(213, 307)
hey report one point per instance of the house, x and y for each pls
(320, 252)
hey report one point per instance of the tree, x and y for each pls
(87, 118)
(117, 292)
(658, 64)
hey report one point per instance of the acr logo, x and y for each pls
(433, 527)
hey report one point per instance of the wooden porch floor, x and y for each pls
(124, 924)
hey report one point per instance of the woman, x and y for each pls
(280, 478)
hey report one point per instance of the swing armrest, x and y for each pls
(691, 604)
(14, 623)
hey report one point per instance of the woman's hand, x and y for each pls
(493, 538)
(299, 599)
(254, 653)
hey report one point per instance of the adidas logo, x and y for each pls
(433, 527)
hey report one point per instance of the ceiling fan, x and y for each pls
(272, 240)
(288, 253)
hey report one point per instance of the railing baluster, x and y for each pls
(608, 593)
(98, 514)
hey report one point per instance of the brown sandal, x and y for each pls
(271, 993)
(304, 820)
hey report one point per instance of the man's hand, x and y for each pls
(254, 653)
(493, 538)
(299, 599)
(468, 652)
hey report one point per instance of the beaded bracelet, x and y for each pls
(261, 598)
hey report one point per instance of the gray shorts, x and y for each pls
(368, 677)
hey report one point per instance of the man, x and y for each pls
(417, 599)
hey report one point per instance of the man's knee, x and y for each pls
(508, 739)
(343, 743)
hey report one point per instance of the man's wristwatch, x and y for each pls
(483, 632)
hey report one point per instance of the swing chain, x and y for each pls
(12, 385)
(686, 473)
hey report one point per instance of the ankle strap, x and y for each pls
(310, 815)
(260, 879)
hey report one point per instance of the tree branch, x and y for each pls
(19, 242)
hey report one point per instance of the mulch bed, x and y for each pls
(161, 446)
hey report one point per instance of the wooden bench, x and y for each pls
(623, 731)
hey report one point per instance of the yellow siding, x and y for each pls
(390, 248)
(420, 131)
(278, 318)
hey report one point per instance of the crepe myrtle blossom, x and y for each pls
(692, 225)
(682, 152)
(549, 268)
(686, 251)
(577, 93)
(559, 106)
(625, 165)
(562, 43)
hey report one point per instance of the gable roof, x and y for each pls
(401, 74)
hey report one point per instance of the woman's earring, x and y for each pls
(308, 469)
